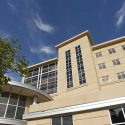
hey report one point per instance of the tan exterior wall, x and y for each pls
(99, 117)
(92, 118)
(84, 93)
(107, 59)
(87, 60)
(46, 121)
(93, 90)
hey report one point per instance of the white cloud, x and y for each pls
(47, 50)
(41, 25)
(120, 16)
(44, 49)
(12, 7)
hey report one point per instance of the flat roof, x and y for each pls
(108, 43)
(27, 90)
(75, 38)
(42, 63)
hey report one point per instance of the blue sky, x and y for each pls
(41, 24)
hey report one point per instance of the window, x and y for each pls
(105, 78)
(62, 120)
(102, 65)
(111, 51)
(123, 47)
(2, 110)
(121, 75)
(20, 112)
(12, 105)
(99, 54)
(69, 69)
(48, 78)
(41, 77)
(10, 111)
(117, 116)
(13, 99)
(116, 62)
(81, 72)
(4, 97)
(35, 72)
(22, 101)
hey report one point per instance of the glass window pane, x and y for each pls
(67, 120)
(20, 112)
(56, 121)
(22, 101)
(117, 115)
(2, 110)
(10, 111)
(13, 99)
(4, 97)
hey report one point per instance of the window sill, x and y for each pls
(108, 83)
(76, 87)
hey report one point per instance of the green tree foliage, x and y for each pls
(11, 60)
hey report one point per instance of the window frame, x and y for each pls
(69, 74)
(122, 107)
(111, 50)
(121, 74)
(80, 65)
(7, 104)
(116, 62)
(98, 54)
(105, 78)
(61, 118)
(102, 65)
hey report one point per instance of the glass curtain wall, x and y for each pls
(12, 105)
(44, 78)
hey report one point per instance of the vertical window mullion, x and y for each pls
(7, 105)
(61, 120)
(123, 112)
(16, 107)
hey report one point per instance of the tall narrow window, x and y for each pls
(69, 69)
(80, 66)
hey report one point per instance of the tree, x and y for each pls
(11, 60)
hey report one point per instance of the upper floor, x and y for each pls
(80, 63)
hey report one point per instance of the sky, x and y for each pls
(39, 25)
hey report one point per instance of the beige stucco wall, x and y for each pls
(100, 117)
(84, 93)
(107, 59)
(93, 90)
(45, 121)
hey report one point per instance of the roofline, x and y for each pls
(28, 87)
(108, 43)
(41, 63)
(75, 38)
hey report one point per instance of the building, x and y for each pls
(85, 84)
